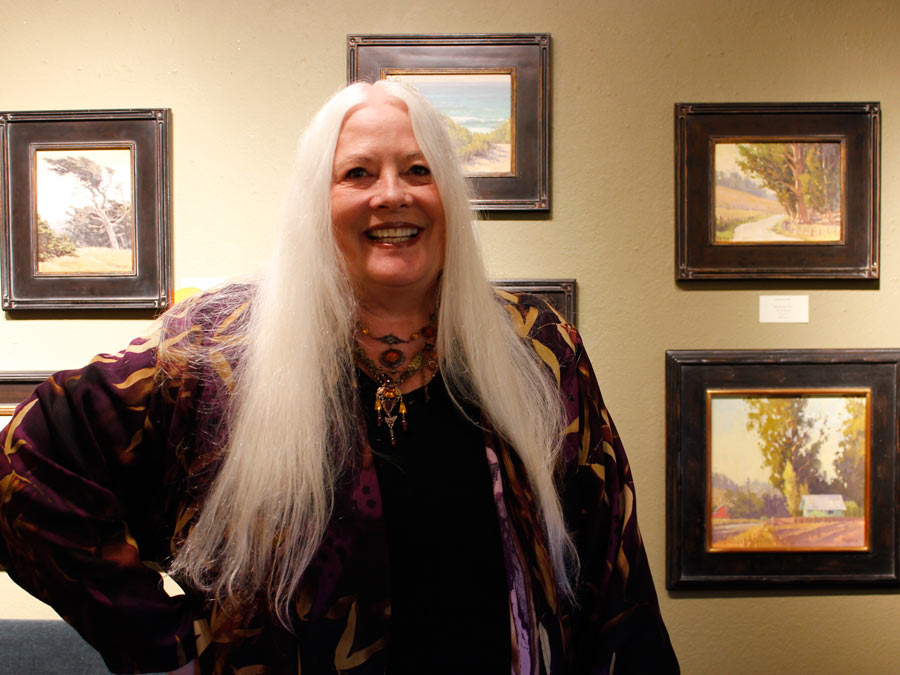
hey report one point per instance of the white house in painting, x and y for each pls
(818, 506)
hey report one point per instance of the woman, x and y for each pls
(366, 462)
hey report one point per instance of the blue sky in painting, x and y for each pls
(478, 104)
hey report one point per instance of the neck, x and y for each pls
(396, 314)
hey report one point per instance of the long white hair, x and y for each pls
(293, 429)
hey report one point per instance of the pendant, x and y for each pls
(389, 405)
(391, 339)
(391, 358)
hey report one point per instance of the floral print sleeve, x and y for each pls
(84, 469)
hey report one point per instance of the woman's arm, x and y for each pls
(618, 620)
(86, 479)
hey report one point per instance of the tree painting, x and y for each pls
(784, 192)
(85, 221)
(789, 470)
(850, 464)
(477, 109)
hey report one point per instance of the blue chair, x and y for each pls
(31, 647)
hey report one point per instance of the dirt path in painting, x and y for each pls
(497, 161)
(722, 530)
(760, 230)
(812, 533)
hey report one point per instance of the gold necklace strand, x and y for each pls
(388, 395)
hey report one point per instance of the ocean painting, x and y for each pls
(478, 108)
(788, 472)
(779, 193)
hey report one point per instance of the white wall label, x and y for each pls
(784, 309)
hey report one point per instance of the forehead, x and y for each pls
(378, 121)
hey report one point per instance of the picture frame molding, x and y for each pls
(856, 257)
(529, 188)
(149, 132)
(16, 386)
(563, 291)
(690, 562)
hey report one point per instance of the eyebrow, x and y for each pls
(363, 158)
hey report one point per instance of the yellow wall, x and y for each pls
(243, 77)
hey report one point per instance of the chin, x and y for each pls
(400, 280)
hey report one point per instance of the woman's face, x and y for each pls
(387, 213)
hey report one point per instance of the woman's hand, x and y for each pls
(186, 669)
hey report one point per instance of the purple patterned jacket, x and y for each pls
(103, 468)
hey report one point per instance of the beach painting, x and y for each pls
(788, 471)
(785, 192)
(478, 109)
(84, 222)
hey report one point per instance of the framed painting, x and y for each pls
(15, 387)
(559, 293)
(777, 190)
(781, 468)
(494, 94)
(85, 209)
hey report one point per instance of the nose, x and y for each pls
(390, 192)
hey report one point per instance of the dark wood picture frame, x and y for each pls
(560, 293)
(853, 254)
(525, 56)
(691, 562)
(15, 387)
(145, 135)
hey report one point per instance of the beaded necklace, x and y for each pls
(388, 398)
(391, 358)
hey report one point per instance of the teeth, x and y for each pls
(392, 234)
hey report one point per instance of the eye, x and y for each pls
(419, 170)
(356, 172)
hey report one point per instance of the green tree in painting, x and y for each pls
(790, 446)
(791, 489)
(50, 244)
(805, 177)
(106, 221)
(743, 503)
(822, 187)
(850, 464)
(767, 162)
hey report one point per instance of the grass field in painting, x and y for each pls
(736, 207)
(786, 191)
(91, 260)
(788, 533)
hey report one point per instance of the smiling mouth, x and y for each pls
(393, 235)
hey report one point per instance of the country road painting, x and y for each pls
(788, 472)
(785, 192)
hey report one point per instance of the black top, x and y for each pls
(449, 597)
